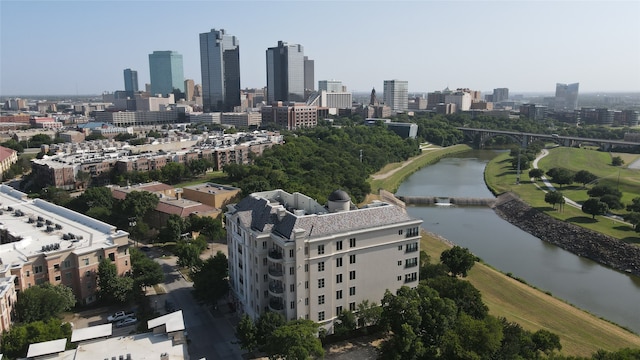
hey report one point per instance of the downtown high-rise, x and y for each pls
(566, 98)
(130, 82)
(166, 72)
(285, 72)
(220, 65)
(396, 95)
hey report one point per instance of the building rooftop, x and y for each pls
(43, 227)
(212, 188)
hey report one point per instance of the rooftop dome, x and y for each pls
(339, 195)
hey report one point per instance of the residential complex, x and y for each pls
(301, 259)
(166, 72)
(291, 116)
(396, 95)
(285, 73)
(8, 157)
(42, 242)
(220, 65)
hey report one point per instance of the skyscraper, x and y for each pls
(130, 82)
(500, 94)
(189, 88)
(220, 65)
(566, 96)
(396, 94)
(309, 73)
(285, 72)
(166, 72)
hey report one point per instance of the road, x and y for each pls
(211, 334)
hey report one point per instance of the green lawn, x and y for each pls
(500, 177)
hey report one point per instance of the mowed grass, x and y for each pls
(500, 177)
(581, 333)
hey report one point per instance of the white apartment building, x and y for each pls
(294, 256)
(336, 100)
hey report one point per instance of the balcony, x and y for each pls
(275, 271)
(275, 254)
(276, 287)
(276, 304)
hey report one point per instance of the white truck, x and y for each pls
(120, 315)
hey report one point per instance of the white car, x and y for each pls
(126, 322)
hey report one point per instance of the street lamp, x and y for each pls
(132, 223)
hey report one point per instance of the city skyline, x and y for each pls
(433, 45)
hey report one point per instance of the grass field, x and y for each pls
(500, 177)
(580, 332)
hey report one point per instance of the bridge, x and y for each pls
(524, 139)
(445, 200)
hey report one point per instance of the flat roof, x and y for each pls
(46, 348)
(91, 332)
(212, 188)
(173, 321)
(46, 228)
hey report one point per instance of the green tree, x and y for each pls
(97, 197)
(634, 219)
(612, 201)
(554, 197)
(173, 172)
(459, 260)
(466, 297)
(561, 176)
(295, 340)
(188, 254)
(472, 338)
(111, 287)
(584, 177)
(602, 190)
(41, 302)
(246, 333)
(369, 313)
(345, 324)
(145, 271)
(536, 173)
(266, 324)
(16, 341)
(136, 205)
(210, 278)
(546, 341)
(617, 161)
(593, 207)
(635, 205)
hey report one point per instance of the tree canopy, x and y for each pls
(41, 302)
(593, 207)
(458, 260)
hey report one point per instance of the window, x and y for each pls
(338, 278)
(399, 247)
(320, 283)
(58, 278)
(320, 249)
(410, 277)
(86, 261)
(339, 294)
(338, 310)
(306, 250)
(399, 262)
(352, 275)
(264, 245)
(126, 263)
(306, 301)
(400, 232)
(321, 266)
(306, 284)
(339, 262)
(399, 277)
(306, 267)
(56, 267)
(352, 306)
(414, 231)
(112, 257)
(339, 245)
(352, 291)
(67, 263)
(352, 259)
(266, 294)
(412, 247)
(292, 287)
(321, 316)
(100, 258)
(264, 277)
(37, 269)
(264, 262)
(292, 305)
(290, 253)
(292, 270)
(411, 262)
(28, 273)
(321, 300)
(352, 242)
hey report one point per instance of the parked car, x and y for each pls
(126, 322)
(120, 315)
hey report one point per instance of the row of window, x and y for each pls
(352, 292)
(352, 244)
(352, 307)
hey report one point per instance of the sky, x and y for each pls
(82, 47)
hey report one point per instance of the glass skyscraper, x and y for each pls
(130, 82)
(396, 94)
(166, 72)
(220, 65)
(285, 72)
(566, 96)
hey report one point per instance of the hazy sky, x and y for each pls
(82, 47)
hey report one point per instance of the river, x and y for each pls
(584, 283)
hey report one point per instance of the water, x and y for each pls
(588, 285)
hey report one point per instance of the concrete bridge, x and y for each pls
(446, 201)
(524, 139)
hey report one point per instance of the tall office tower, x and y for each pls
(330, 86)
(220, 64)
(312, 260)
(500, 94)
(566, 97)
(130, 82)
(396, 94)
(309, 78)
(285, 72)
(189, 88)
(166, 72)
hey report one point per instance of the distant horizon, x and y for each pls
(75, 47)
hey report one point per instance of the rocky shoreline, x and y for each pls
(583, 242)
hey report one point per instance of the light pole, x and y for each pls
(132, 223)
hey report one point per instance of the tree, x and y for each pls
(635, 205)
(472, 338)
(536, 173)
(97, 197)
(553, 198)
(145, 271)
(612, 201)
(111, 287)
(369, 313)
(466, 297)
(137, 204)
(459, 260)
(617, 161)
(295, 340)
(173, 172)
(246, 333)
(546, 341)
(266, 324)
(41, 302)
(345, 323)
(584, 177)
(602, 190)
(561, 176)
(16, 341)
(210, 278)
(188, 254)
(593, 207)
(634, 219)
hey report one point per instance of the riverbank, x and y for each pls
(583, 242)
